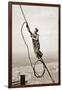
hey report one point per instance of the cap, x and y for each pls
(36, 29)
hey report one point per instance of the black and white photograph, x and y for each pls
(34, 33)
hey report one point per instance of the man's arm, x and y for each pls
(28, 29)
(35, 38)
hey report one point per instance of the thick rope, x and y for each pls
(45, 67)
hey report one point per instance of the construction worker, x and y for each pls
(35, 40)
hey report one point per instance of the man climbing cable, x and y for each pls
(35, 40)
(36, 46)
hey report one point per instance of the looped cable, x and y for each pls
(33, 67)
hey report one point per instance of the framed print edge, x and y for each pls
(59, 44)
(9, 45)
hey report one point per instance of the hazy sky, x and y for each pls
(45, 19)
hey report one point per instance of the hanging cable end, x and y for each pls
(53, 81)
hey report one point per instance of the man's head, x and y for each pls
(36, 30)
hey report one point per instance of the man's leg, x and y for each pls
(39, 54)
